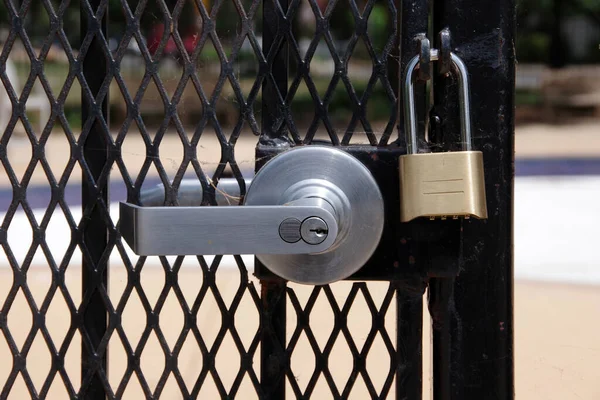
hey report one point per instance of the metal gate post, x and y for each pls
(272, 112)
(473, 331)
(409, 345)
(273, 363)
(413, 19)
(273, 340)
(95, 234)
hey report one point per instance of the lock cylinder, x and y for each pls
(445, 184)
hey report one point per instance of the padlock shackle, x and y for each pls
(464, 102)
(410, 122)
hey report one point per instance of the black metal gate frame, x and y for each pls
(472, 312)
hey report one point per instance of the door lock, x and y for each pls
(311, 215)
(444, 184)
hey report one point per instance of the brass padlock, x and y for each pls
(447, 184)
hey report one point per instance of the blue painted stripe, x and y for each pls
(557, 166)
(39, 196)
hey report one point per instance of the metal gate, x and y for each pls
(109, 324)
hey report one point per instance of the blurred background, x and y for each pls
(557, 190)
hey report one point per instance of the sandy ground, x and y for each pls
(573, 140)
(557, 331)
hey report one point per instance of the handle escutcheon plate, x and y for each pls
(346, 184)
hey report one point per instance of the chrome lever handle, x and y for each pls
(190, 193)
(285, 229)
(311, 215)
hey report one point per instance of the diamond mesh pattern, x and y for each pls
(174, 326)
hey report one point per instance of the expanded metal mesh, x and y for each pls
(181, 95)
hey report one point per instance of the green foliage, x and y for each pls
(545, 6)
(527, 97)
(378, 26)
(536, 24)
(73, 116)
(533, 47)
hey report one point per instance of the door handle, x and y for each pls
(285, 229)
(311, 215)
(190, 193)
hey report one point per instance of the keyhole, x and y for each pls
(319, 231)
(314, 230)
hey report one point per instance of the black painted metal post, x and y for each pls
(412, 20)
(409, 345)
(439, 295)
(272, 113)
(476, 340)
(95, 236)
(273, 356)
(273, 293)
